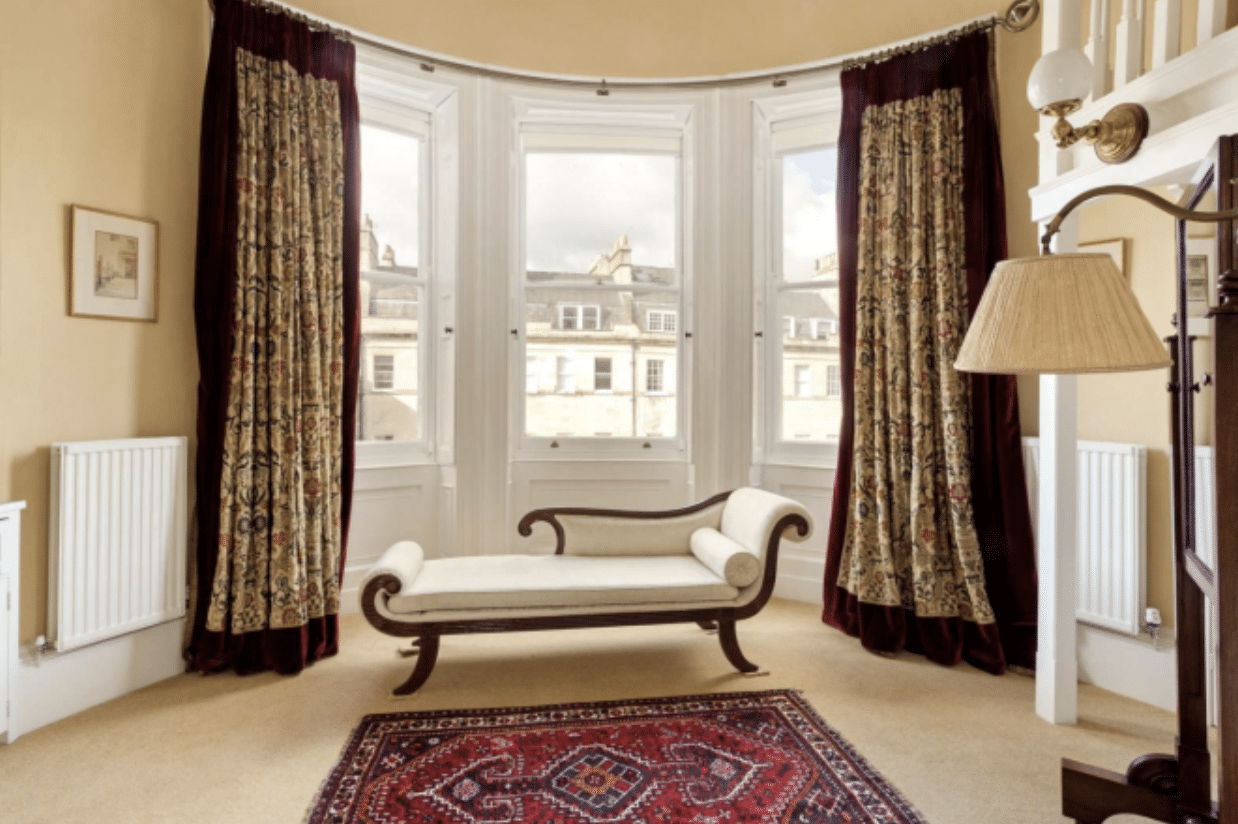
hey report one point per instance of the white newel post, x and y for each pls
(1057, 668)
(1056, 658)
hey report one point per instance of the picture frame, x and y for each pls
(1114, 247)
(1201, 253)
(114, 271)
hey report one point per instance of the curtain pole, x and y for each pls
(1018, 17)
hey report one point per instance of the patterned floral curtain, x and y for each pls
(276, 312)
(930, 541)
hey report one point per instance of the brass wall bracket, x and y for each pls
(1117, 136)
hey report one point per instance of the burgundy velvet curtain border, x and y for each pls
(1003, 522)
(273, 36)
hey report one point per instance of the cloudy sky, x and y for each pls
(809, 211)
(579, 203)
(389, 169)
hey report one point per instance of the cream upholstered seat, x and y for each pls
(713, 562)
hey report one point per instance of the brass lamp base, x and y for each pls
(1117, 136)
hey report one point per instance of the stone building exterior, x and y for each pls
(598, 362)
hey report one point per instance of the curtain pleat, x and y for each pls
(276, 314)
(930, 546)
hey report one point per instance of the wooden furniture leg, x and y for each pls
(425, 666)
(730, 646)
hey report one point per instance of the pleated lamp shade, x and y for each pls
(1059, 314)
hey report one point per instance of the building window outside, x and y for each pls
(803, 381)
(654, 373)
(833, 380)
(822, 328)
(580, 317)
(530, 376)
(384, 372)
(788, 326)
(601, 375)
(660, 321)
(565, 382)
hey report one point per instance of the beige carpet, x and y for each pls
(963, 746)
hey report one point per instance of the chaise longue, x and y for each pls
(712, 563)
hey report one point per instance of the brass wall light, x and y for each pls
(1059, 82)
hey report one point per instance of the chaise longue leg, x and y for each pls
(425, 665)
(708, 626)
(730, 646)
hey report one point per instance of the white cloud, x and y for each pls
(390, 166)
(579, 203)
(809, 216)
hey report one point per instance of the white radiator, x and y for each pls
(1111, 532)
(117, 538)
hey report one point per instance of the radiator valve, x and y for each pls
(1152, 625)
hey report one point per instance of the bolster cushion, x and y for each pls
(403, 560)
(738, 566)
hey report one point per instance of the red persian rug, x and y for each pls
(731, 758)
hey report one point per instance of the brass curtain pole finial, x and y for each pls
(1020, 15)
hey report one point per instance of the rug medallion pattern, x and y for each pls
(738, 758)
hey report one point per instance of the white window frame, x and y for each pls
(783, 123)
(561, 124)
(662, 316)
(395, 94)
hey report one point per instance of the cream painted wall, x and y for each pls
(99, 106)
(1134, 407)
(100, 103)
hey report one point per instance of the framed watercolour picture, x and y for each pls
(114, 271)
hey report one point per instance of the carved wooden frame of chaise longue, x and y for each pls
(698, 547)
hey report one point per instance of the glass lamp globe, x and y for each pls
(1059, 76)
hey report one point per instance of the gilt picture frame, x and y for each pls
(114, 267)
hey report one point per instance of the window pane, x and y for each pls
(388, 406)
(811, 407)
(609, 217)
(579, 381)
(390, 202)
(809, 225)
(601, 219)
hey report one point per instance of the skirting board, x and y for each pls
(57, 686)
(1113, 662)
(1129, 666)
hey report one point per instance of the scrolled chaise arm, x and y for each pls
(802, 527)
(550, 516)
(394, 572)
